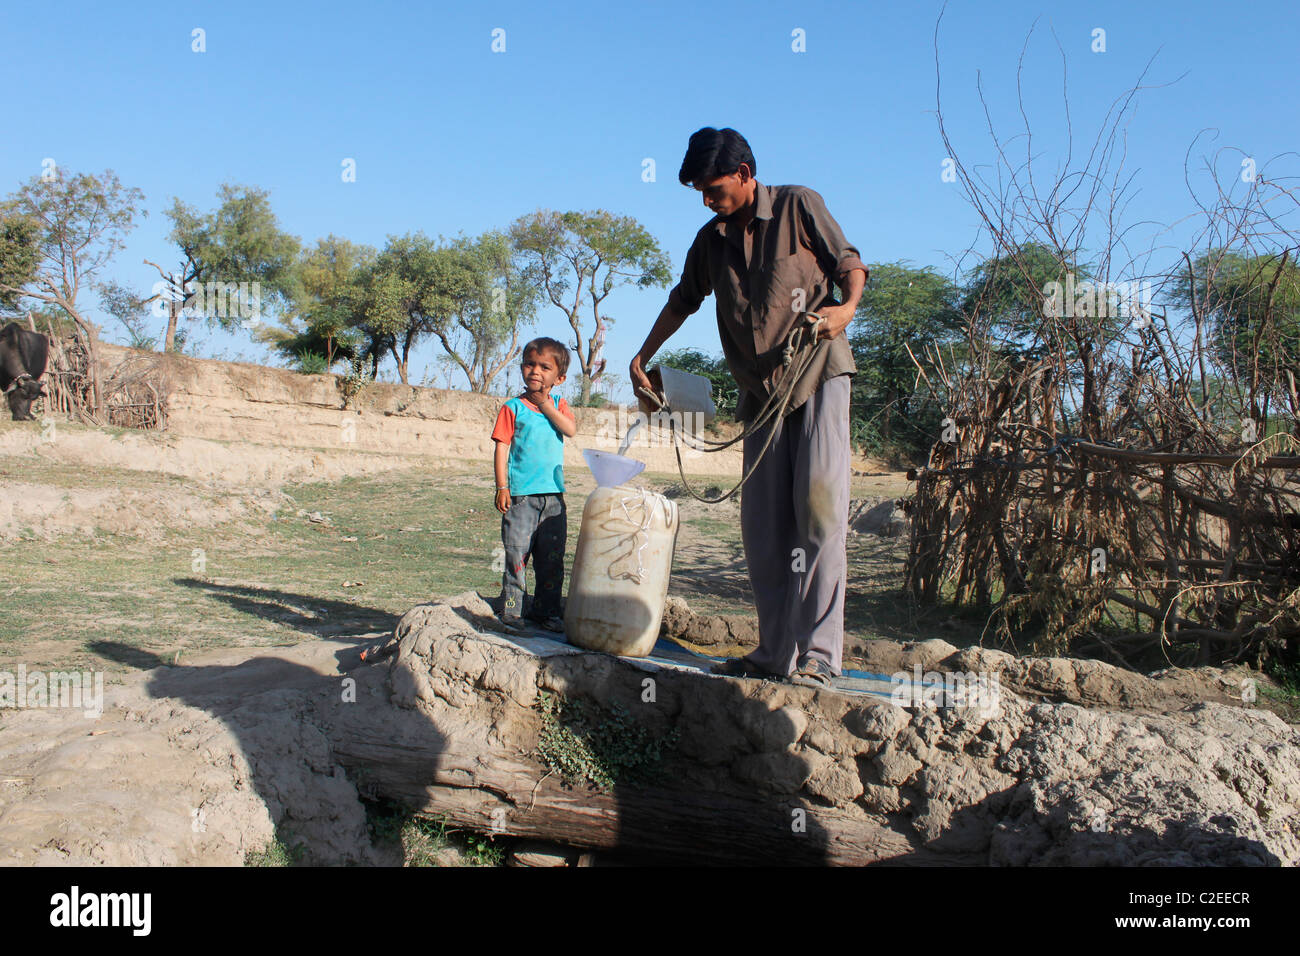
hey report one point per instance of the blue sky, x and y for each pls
(450, 137)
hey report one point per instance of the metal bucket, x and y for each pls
(685, 394)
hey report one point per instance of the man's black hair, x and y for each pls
(715, 152)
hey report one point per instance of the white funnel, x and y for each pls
(610, 470)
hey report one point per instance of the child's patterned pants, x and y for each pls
(536, 526)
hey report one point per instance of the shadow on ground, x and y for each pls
(309, 613)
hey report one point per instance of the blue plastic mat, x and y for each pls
(669, 654)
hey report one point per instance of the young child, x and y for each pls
(530, 433)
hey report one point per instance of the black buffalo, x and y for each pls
(23, 356)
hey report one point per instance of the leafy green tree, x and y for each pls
(1253, 306)
(328, 317)
(409, 289)
(901, 307)
(726, 393)
(239, 242)
(1005, 295)
(332, 295)
(490, 294)
(19, 254)
(579, 259)
(472, 295)
(1034, 300)
(80, 223)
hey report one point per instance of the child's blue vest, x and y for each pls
(536, 465)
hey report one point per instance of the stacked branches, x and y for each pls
(1189, 540)
(1119, 470)
(133, 394)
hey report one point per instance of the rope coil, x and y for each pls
(796, 356)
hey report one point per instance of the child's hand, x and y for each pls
(503, 500)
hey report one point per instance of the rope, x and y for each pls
(799, 349)
(649, 502)
(24, 377)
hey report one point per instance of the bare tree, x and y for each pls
(81, 222)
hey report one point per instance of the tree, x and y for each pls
(409, 285)
(901, 307)
(328, 315)
(80, 221)
(580, 258)
(1253, 306)
(1006, 295)
(131, 310)
(470, 294)
(1034, 300)
(234, 260)
(19, 254)
(490, 294)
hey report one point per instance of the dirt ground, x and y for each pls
(138, 555)
(123, 550)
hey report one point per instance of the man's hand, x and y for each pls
(503, 500)
(837, 319)
(665, 325)
(636, 373)
(565, 425)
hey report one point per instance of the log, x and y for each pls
(1181, 458)
(755, 772)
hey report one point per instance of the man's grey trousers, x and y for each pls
(794, 513)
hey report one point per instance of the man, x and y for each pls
(770, 254)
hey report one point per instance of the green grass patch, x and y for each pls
(717, 528)
(1285, 691)
(586, 744)
(422, 841)
(391, 541)
(276, 853)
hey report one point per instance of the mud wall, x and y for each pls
(233, 401)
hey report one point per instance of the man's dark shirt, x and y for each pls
(793, 246)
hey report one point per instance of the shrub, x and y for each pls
(312, 363)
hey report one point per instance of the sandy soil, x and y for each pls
(233, 463)
(99, 482)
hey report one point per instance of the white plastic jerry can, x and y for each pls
(620, 571)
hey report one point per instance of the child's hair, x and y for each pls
(557, 349)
